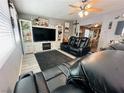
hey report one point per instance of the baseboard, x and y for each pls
(67, 54)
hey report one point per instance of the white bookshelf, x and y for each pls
(26, 35)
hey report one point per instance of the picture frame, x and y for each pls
(40, 22)
(67, 25)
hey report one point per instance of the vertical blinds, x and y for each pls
(7, 42)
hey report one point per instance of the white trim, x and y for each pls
(43, 27)
(20, 68)
(67, 54)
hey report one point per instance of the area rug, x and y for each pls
(49, 59)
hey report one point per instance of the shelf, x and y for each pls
(43, 27)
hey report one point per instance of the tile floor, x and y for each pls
(29, 63)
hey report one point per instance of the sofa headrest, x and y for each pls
(78, 42)
(72, 40)
(84, 42)
(84, 38)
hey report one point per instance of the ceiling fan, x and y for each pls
(83, 8)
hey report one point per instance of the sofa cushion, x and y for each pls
(84, 42)
(76, 43)
(72, 40)
(52, 73)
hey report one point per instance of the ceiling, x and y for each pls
(59, 8)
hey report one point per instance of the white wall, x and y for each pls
(9, 70)
(106, 34)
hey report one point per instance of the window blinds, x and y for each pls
(7, 42)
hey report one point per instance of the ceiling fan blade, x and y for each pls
(94, 10)
(92, 2)
(87, 6)
(73, 12)
(74, 6)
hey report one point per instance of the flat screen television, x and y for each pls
(44, 34)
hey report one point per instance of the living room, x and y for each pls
(61, 46)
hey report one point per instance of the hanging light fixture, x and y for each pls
(83, 13)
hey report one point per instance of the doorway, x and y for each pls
(91, 31)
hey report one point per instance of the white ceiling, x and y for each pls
(59, 8)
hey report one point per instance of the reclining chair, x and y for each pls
(101, 72)
(65, 45)
(76, 46)
(80, 47)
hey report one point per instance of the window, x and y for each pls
(7, 42)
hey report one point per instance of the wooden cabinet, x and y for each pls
(26, 35)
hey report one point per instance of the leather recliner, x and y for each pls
(80, 47)
(76, 46)
(101, 72)
(65, 45)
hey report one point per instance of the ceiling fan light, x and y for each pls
(81, 14)
(96, 25)
(86, 13)
(88, 6)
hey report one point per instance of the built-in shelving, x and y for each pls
(29, 46)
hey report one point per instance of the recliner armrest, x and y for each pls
(41, 83)
(31, 83)
(26, 84)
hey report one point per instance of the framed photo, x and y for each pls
(40, 22)
(67, 25)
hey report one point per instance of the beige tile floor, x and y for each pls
(29, 63)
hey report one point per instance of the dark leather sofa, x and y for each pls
(100, 72)
(76, 46)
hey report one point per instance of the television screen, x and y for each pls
(120, 28)
(44, 34)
